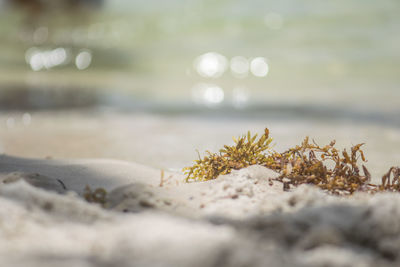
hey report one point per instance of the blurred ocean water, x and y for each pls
(212, 52)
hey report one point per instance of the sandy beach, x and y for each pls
(103, 103)
(109, 107)
(151, 219)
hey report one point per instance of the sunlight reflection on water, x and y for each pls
(83, 59)
(207, 94)
(39, 59)
(211, 65)
(259, 67)
(45, 59)
(239, 67)
(240, 97)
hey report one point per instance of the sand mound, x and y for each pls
(235, 220)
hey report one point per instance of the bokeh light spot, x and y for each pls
(240, 97)
(210, 65)
(239, 66)
(259, 67)
(45, 59)
(207, 94)
(83, 60)
(36, 61)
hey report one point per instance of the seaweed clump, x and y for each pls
(309, 163)
(246, 151)
(99, 195)
(333, 170)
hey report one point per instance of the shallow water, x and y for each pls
(331, 54)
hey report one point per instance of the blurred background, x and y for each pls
(152, 81)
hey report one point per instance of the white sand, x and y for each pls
(235, 220)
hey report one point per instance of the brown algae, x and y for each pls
(333, 170)
(246, 151)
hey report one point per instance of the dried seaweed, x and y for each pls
(333, 170)
(391, 180)
(308, 163)
(246, 151)
(99, 195)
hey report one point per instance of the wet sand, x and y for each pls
(170, 142)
